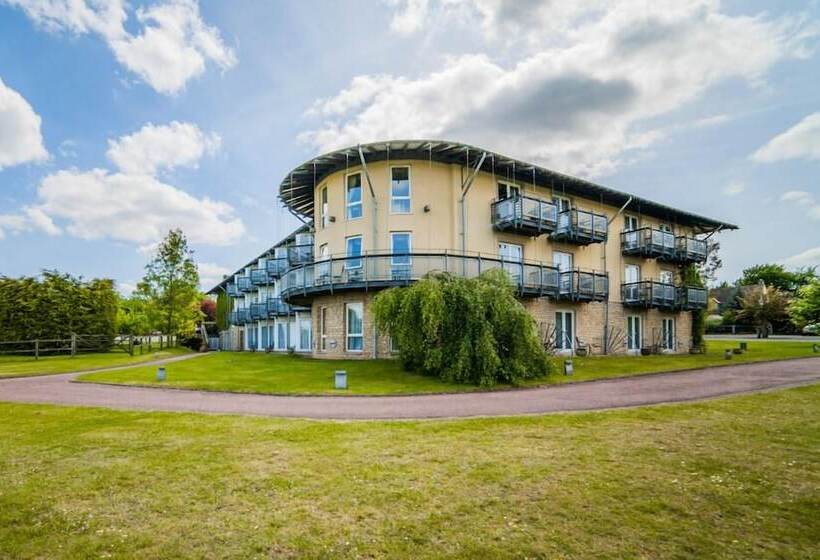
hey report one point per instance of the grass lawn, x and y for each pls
(279, 374)
(728, 478)
(11, 366)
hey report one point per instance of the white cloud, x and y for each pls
(20, 138)
(126, 288)
(579, 96)
(805, 200)
(800, 141)
(161, 146)
(29, 219)
(211, 274)
(734, 189)
(173, 44)
(410, 17)
(137, 209)
(809, 257)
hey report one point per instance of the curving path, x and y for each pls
(594, 395)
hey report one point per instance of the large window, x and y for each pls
(561, 203)
(304, 334)
(512, 255)
(354, 249)
(564, 330)
(354, 196)
(282, 335)
(507, 190)
(400, 190)
(633, 333)
(668, 334)
(324, 207)
(354, 327)
(400, 246)
(630, 222)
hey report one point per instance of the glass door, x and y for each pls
(633, 333)
(668, 334)
(564, 333)
(564, 262)
(513, 256)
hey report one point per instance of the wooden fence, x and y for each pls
(88, 343)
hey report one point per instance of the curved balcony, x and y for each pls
(650, 243)
(524, 215)
(377, 271)
(580, 227)
(583, 285)
(300, 254)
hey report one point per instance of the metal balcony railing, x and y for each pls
(259, 277)
(375, 271)
(258, 311)
(300, 254)
(232, 291)
(691, 297)
(276, 267)
(244, 284)
(524, 214)
(690, 249)
(583, 285)
(581, 227)
(649, 293)
(239, 316)
(649, 242)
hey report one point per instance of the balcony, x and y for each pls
(244, 284)
(258, 311)
(377, 271)
(232, 291)
(259, 277)
(239, 316)
(691, 298)
(583, 285)
(276, 267)
(580, 227)
(650, 243)
(690, 249)
(300, 254)
(524, 215)
(649, 294)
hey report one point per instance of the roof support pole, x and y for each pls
(375, 243)
(465, 188)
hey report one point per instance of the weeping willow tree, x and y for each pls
(463, 330)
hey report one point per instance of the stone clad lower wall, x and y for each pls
(589, 325)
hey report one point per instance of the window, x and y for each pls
(633, 332)
(667, 277)
(564, 333)
(400, 246)
(512, 255)
(631, 223)
(281, 335)
(665, 227)
(323, 328)
(394, 346)
(561, 203)
(324, 207)
(507, 190)
(564, 263)
(400, 190)
(632, 273)
(354, 196)
(354, 249)
(304, 334)
(668, 334)
(354, 330)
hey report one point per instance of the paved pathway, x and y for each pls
(604, 394)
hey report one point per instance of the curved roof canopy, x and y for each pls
(297, 188)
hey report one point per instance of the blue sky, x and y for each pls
(117, 123)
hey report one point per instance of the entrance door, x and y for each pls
(512, 255)
(668, 334)
(564, 330)
(633, 333)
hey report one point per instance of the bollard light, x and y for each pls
(341, 379)
(568, 367)
(727, 354)
(744, 346)
(160, 373)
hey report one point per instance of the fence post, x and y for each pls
(73, 344)
(131, 344)
(36, 349)
(150, 339)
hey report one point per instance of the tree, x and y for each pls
(463, 330)
(133, 316)
(208, 308)
(692, 276)
(805, 307)
(776, 276)
(708, 269)
(222, 310)
(170, 286)
(762, 306)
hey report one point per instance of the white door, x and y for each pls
(630, 223)
(512, 255)
(564, 330)
(633, 332)
(668, 334)
(632, 273)
(564, 262)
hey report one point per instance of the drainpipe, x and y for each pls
(606, 305)
(465, 188)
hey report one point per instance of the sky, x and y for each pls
(121, 120)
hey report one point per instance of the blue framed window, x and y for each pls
(400, 190)
(354, 249)
(354, 196)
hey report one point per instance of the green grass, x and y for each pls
(280, 374)
(11, 366)
(735, 478)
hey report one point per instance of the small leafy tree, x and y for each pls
(762, 306)
(805, 307)
(222, 310)
(463, 330)
(692, 276)
(170, 286)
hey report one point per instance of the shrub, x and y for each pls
(463, 330)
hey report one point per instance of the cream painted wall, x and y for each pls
(438, 186)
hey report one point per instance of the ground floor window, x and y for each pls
(282, 335)
(252, 338)
(304, 334)
(633, 332)
(354, 327)
(265, 337)
(564, 330)
(668, 334)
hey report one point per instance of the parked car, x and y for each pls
(812, 329)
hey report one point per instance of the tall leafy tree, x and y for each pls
(776, 275)
(763, 306)
(170, 286)
(805, 307)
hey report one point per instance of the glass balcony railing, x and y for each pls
(524, 214)
(649, 242)
(581, 227)
(660, 295)
(232, 291)
(244, 284)
(239, 316)
(583, 285)
(259, 277)
(258, 311)
(276, 267)
(374, 271)
(690, 249)
(690, 297)
(300, 254)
